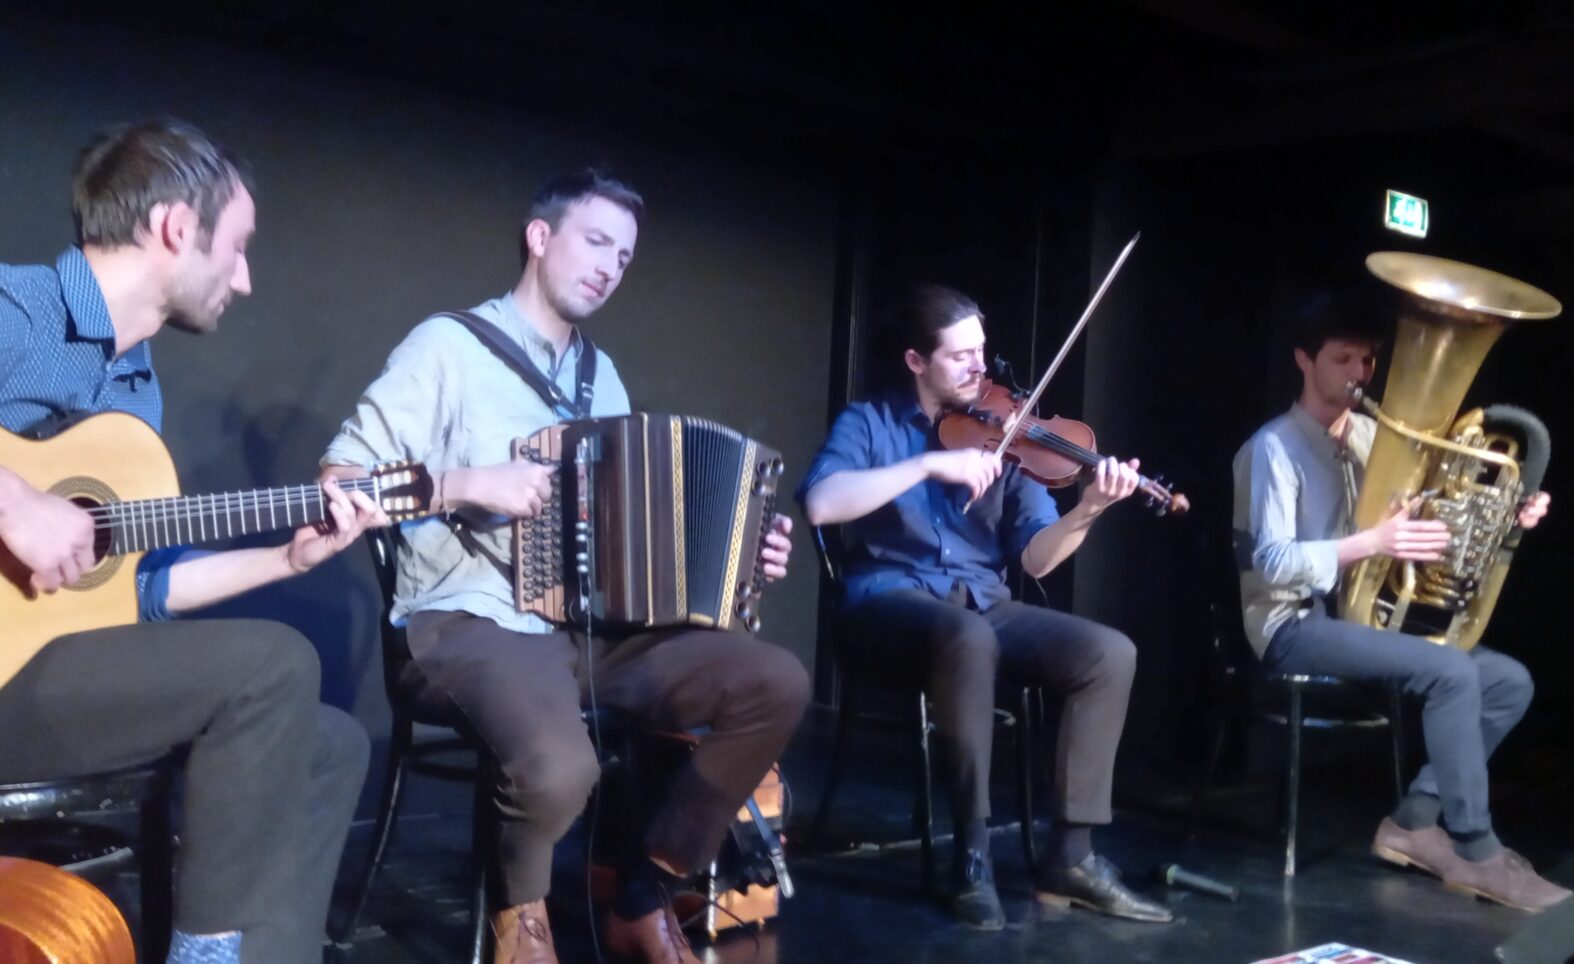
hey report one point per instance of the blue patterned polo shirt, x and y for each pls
(57, 359)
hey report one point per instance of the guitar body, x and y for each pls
(49, 916)
(113, 457)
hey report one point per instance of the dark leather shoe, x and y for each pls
(655, 938)
(974, 900)
(1095, 884)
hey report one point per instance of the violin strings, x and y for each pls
(1071, 449)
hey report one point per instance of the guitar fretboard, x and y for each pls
(148, 524)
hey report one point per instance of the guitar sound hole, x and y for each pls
(101, 536)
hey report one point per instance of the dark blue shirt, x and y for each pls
(921, 539)
(57, 358)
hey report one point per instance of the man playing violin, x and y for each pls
(929, 535)
(1296, 482)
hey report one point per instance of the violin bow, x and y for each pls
(1065, 349)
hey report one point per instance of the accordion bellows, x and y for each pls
(654, 521)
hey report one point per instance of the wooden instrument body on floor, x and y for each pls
(51, 915)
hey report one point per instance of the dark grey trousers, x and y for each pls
(1471, 700)
(272, 778)
(522, 693)
(953, 653)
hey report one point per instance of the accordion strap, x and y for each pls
(509, 352)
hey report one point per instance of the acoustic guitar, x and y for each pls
(116, 467)
(48, 916)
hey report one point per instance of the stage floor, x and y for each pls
(864, 903)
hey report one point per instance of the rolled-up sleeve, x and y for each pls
(1028, 509)
(153, 582)
(1277, 556)
(850, 447)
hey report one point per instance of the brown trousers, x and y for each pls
(523, 692)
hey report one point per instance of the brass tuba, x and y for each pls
(1471, 471)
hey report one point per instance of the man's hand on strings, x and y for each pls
(1113, 480)
(50, 536)
(352, 514)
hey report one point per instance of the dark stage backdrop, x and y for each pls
(380, 203)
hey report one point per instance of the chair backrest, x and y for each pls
(384, 545)
(1222, 551)
(829, 548)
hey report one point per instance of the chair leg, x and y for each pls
(923, 809)
(1397, 724)
(399, 742)
(1210, 772)
(845, 717)
(1026, 732)
(156, 871)
(483, 845)
(1292, 781)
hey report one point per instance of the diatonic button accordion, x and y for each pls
(654, 521)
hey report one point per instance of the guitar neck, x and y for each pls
(147, 524)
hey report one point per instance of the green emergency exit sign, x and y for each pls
(1406, 214)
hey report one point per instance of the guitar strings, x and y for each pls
(188, 507)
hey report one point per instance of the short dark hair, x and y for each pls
(1325, 314)
(925, 311)
(563, 191)
(128, 169)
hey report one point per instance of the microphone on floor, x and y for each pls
(1175, 876)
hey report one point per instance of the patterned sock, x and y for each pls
(1417, 811)
(187, 948)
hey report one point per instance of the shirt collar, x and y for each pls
(905, 408)
(1321, 440)
(84, 298)
(527, 333)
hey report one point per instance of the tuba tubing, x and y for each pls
(1451, 315)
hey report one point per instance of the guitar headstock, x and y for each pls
(404, 490)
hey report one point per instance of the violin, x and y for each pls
(1053, 451)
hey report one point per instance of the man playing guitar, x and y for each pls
(163, 219)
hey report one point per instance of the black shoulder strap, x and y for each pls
(514, 357)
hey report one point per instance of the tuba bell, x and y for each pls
(1471, 471)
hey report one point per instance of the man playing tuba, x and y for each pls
(1296, 484)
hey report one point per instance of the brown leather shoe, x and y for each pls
(523, 935)
(1507, 878)
(655, 938)
(1429, 849)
